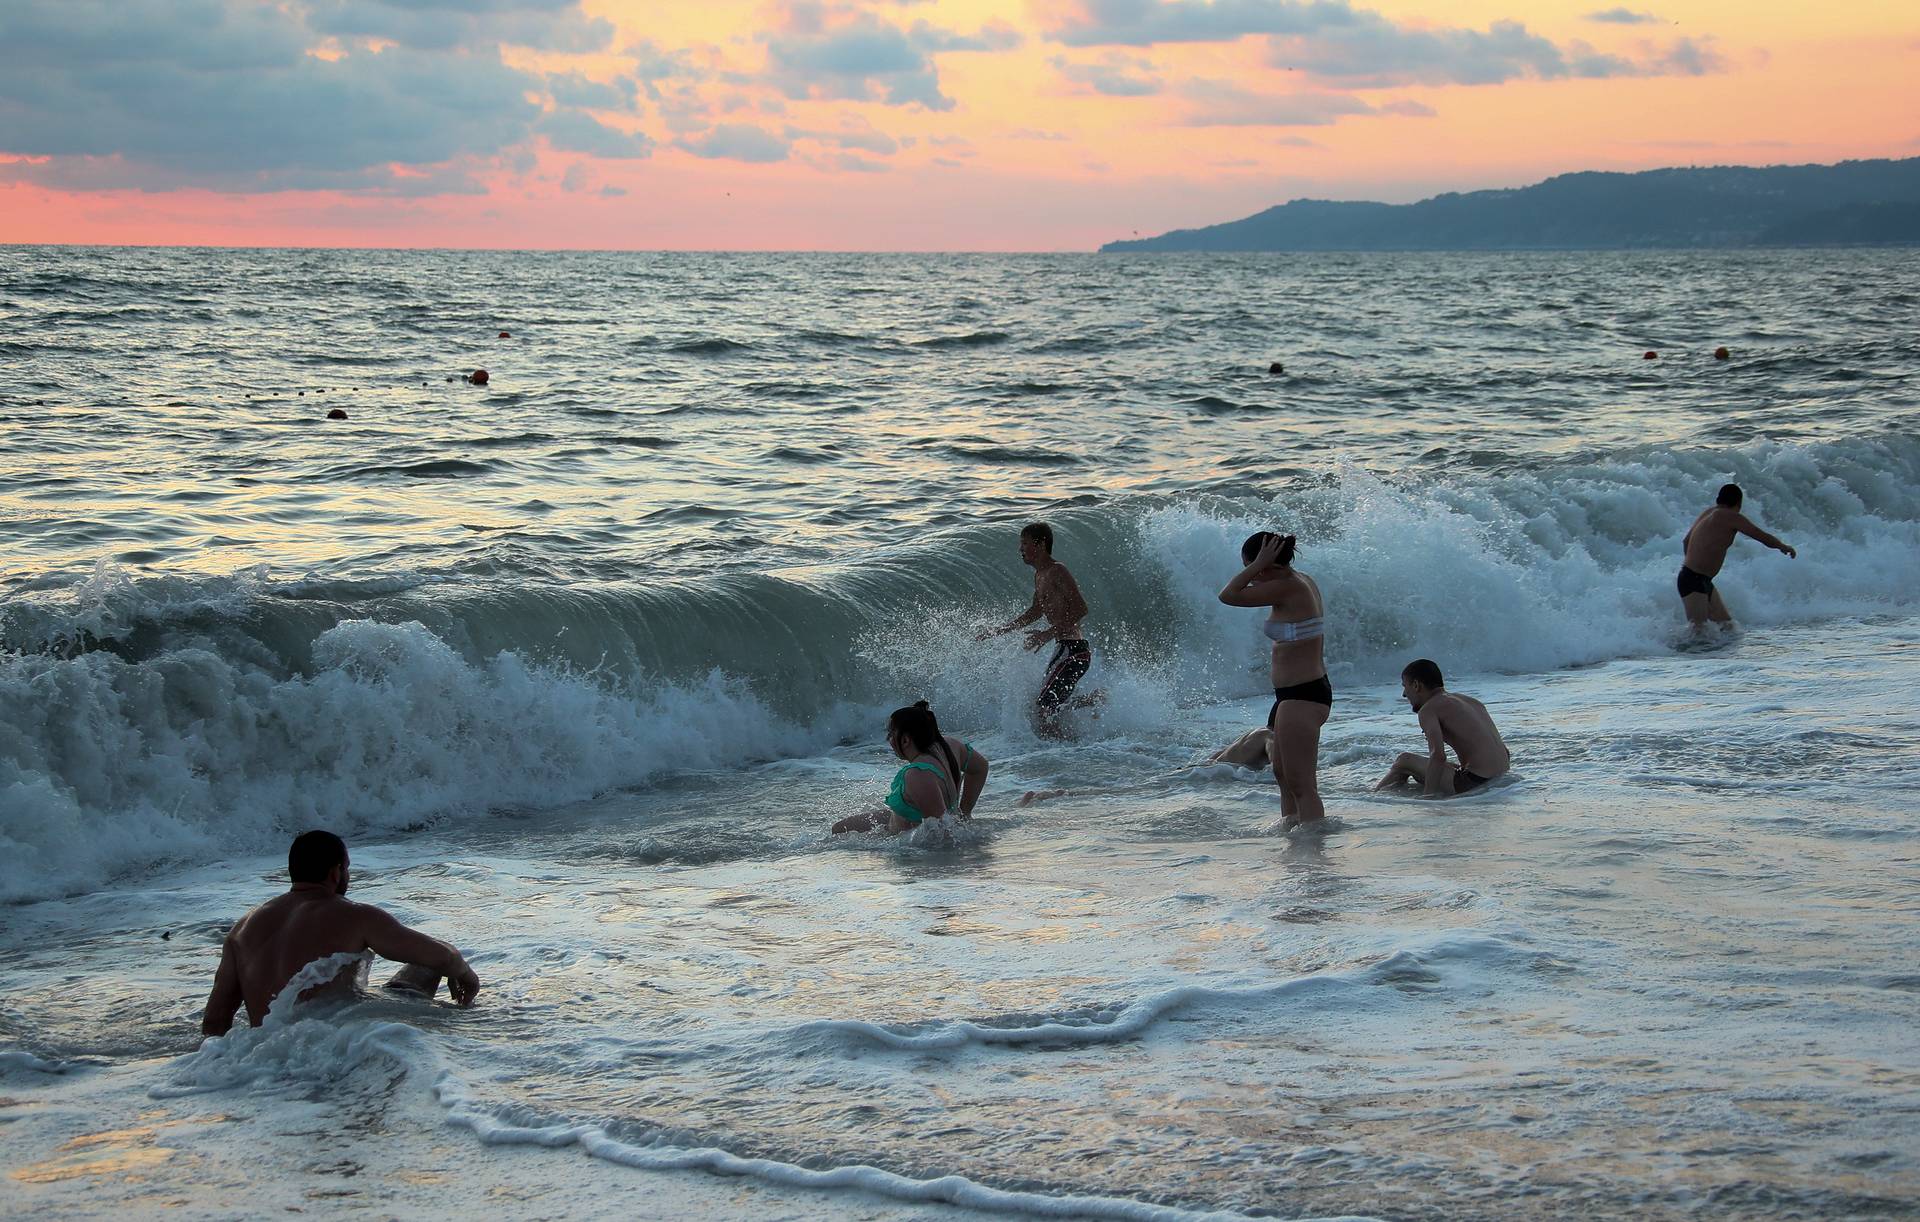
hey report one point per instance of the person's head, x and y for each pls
(1258, 539)
(1421, 681)
(912, 730)
(1036, 543)
(319, 857)
(1730, 496)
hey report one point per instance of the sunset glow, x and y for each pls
(950, 124)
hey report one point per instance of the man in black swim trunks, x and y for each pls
(1450, 720)
(1706, 544)
(1057, 597)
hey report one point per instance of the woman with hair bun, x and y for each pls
(942, 776)
(1302, 696)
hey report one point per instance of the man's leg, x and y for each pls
(1406, 767)
(1699, 607)
(1717, 610)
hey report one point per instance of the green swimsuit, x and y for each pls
(897, 796)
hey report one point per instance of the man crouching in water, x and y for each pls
(1450, 720)
(268, 946)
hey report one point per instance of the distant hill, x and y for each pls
(1719, 206)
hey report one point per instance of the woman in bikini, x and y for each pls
(1302, 697)
(942, 776)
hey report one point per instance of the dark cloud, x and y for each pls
(573, 89)
(833, 51)
(224, 95)
(1116, 76)
(857, 57)
(1623, 16)
(445, 25)
(738, 142)
(1359, 48)
(1224, 104)
(573, 132)
(1140, 23)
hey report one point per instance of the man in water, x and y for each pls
(268, 946)
(1706, 544)
(1057, 597)
(1450, 720)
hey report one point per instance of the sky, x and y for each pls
(900, 125)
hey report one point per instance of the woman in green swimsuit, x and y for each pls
(942, 775)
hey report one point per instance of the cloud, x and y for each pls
(854, 163)
(1116, 76)
(739, 142)
(837, 52)
(1408, 108)
(572, 132)
(1359, 48)
(1623, 16)
(225, 95)
(1140, 23)
(1224, 104)
(573, 89)
(445, 25)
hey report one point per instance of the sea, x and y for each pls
(584, 661)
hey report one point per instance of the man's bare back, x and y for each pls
(1714, 531)
(1465, 725)
(267, 947)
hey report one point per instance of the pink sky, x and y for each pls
(915, 125)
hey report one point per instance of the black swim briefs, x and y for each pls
(1319, 691)
(1691, 582)
(1069, 665)
(1467, 782)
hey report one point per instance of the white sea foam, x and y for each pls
(951, 1189)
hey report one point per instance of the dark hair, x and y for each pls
(1730, 496)
(1424, 671)
(1258, 539)
(1040, 533)
(314, 854)
(922, 729)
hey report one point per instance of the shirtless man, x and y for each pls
(1706, 544)
(269, 945)
(1057, 597)
(1450, 720)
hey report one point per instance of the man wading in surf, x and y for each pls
(1057, 597)
(314, 919)
(1706, 544)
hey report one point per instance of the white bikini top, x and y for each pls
(1286, 631)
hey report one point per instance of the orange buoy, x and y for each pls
(506, 335)
(478, 377)
(1721, 354)
(1651, 355)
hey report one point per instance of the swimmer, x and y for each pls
(942, 775)
(266, 947)
(1706, 544)
(1302, 694)
(1057, 597)
(1450, 720)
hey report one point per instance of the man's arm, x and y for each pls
(389, 939)
(1021, 620)
(1748, 527)
(224, 1002)
(1436, 753)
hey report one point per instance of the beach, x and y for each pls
(584, 662)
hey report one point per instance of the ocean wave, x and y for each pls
(970, 339)
(715, 346)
